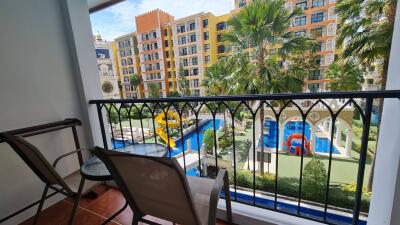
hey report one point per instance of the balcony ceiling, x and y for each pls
(96, 5)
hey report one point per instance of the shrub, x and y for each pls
(340, 196)
(314, 179)
(208, 140)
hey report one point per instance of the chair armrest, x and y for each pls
(222, 180)
(65, 155)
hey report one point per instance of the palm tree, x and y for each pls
(344, 76)
(262, 28)
(367, 29)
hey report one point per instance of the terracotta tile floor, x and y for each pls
(92, 211)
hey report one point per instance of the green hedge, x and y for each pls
(338, 196)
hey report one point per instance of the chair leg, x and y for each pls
(227, 199)
(135, 220)
(41, 204)
(76, 201)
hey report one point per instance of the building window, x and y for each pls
(196, 93)
(121, 44)
(193, 49)
(317, 17)
(181, 28)
(313, 87)
(221, 26)
(317, 3)
(300, 33)
(182, 40)
(122, 53)
(186, 73)
(302, 5)
(130, 70)
(194, 61)
(192, 26)
(300, 21)
(207, 59)
(219, 37)
(124, 71)
(185, 62)
(206, 47)
(127, 43)
(206, 36)
(167, 54)
(242, 3)
(123, 62)
(154, 34)
(315, 75)
(168, 64)
(169, 74)
(205, 23)
(130, 61)
(316, 32)
(195, 83)
(126, 79)
(195, 71)
(155, 45)
(182, 51)
(166, 43)
(221, 49)
(165, 32)
(193, 38)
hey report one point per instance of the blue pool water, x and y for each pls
(322, 145)
(193, 137)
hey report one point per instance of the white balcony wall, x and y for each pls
(42, 81)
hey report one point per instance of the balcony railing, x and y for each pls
(208, 133)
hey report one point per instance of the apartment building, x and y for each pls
(320, 23)
(151, 47)
(107, 68)
(128, 63)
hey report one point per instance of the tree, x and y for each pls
(154, 90)
(135, 81)
(263, 26)
(184, 87)
(208, 140)
(344, 76)
(314, 179)
(174, 94)
(367, 29)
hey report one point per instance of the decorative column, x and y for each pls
(349, 142)
(338, 136)
(281, 137)
(325, 126)
(313, 137)
(330, 128)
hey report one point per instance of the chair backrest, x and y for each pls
(153, 186)
(35, 160)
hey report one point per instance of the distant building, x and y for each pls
(107, 68)
(128, 63)
(152, 49)
(371, 75)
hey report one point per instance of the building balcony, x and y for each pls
(235, 145)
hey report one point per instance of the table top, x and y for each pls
(94, 168)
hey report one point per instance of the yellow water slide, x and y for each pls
(161, 120)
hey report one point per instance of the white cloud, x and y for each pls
(120, 19)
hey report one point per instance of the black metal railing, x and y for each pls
(272, 190)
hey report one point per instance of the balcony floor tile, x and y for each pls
(92, 211)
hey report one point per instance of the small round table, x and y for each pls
(95, 170)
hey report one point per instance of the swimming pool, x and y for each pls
(322, 145)
(192, 136)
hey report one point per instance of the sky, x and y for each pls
(120, 19)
